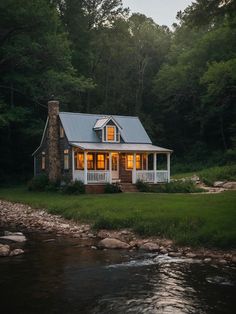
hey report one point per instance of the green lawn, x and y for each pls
(208, 220)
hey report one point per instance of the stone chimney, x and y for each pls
(54, 167)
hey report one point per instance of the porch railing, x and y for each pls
(149, 176)
(93, 176)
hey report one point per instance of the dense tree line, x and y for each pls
(94, 56)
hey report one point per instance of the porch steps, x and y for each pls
(128, 187)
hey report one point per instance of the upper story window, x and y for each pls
(111, 133)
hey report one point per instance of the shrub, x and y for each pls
(209, 176)
(38, 183)
(142, 186)
(177, 187)
(74, 187)
(112, 188)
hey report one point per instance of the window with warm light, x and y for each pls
(111, 133)
(66, 159)
(43, 161)
(130, 162)
(79, 161)
(90, 162)
(100, 161)
(138, 161)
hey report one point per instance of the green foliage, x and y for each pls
(76, 187)
(189, 219)
(38, 183)
(177, 186)
(112, 188)
(142, 186)
(209, 176)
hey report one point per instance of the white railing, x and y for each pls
(93, 176)
(96, 176)
(149, 176)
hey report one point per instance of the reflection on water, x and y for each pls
(61, 277)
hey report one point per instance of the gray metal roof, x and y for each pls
(122, 147)
(79, 128)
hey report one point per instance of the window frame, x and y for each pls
(90, 161)
(62, 132)
(127, 162)
(77, 161)
(43, 161)
(97, 161)
(66, 160)
(115, 133)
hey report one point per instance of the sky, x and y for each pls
(163, 12)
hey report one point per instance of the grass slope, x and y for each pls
(207, 220)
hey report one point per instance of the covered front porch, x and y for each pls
(101, 167)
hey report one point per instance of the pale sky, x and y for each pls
(163, 12)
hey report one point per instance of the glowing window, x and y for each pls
(138, 161)
(66, 159)
(79, 161)
(100, 161)
(43, 161)
(90, 162)
(111, 133)
(130, 162)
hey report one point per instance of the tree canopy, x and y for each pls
(95, 57)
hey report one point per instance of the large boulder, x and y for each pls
(149, 246)
(4, 250)
(15, 237)
(112, 243)
(230, 185)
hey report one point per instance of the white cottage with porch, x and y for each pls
(98, 149)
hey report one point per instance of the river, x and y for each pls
(57, 275)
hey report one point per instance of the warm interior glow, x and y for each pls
(100, 161)
(111, 133)
(79, 161)
(138, 161)
(90, 162)
(130, 161)
(61, 132)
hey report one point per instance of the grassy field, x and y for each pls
(207, 220)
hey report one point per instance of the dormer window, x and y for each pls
(111, 133)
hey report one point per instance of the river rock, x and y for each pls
(14, 237)
(4, 250)
(111, 243)
(190, 255)
(207, 260)
(16, 252)
(222, 261)
(233, 259)
(230, 185)
(149, 246)
(163, 251)
(174, 254)
(218, 184)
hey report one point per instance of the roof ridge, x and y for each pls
(97, 114)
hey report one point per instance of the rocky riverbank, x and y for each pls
(24, 218)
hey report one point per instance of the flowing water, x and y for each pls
(59, 276)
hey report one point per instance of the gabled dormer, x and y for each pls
(108, 130)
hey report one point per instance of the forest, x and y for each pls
(94, 56)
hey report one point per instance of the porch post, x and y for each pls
(85, 168)
(155, 166)
(168, 167)
(73, 164)
(110, 167)
(134, 177)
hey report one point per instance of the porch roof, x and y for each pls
(122, 147)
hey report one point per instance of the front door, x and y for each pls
(115, 166)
